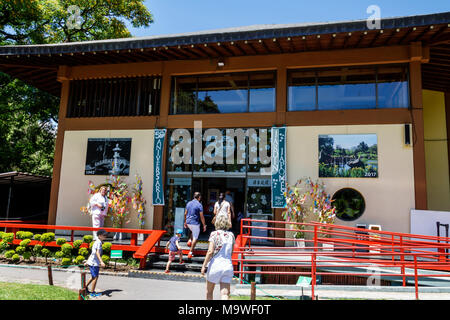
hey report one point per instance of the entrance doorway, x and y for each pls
(210, 188)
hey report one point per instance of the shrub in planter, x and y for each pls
(22, 235)
(105, 259)
(15, 258)
(45, 252)
(8, 237)
(66, 261)
(26, 255)
(66, 249)
(3, 246)
(79, 259)
(90, 245)
(37, 237)
(25, 242)
(47, 237)
(37, 249)
(88, 238)
(60, 241)
(20, 250)
(83, 252)
(77, 244)
(9, 254)
(59, 254)
(106, 247)
(1, 233)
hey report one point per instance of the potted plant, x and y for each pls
(119, 204)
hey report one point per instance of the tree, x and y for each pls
(28, 116)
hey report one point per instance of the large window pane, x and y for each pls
(262, 92)
(184, 95)
(301, 91)
(346, 89)
(223, 93)
(393, 91)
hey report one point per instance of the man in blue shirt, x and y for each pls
(192, 217)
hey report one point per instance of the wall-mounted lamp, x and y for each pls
(221, 63)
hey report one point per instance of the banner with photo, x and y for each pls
(107, 156)
(158, 147)
(348, 156)
(278, 164)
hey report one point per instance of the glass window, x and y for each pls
(302, 90)
(224, 93)
(349, 204)
(346, 89)
(262, 92)
(393, 91)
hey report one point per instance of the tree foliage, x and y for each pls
(28, 116)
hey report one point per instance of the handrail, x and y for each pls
(147, 246)
(354, 248)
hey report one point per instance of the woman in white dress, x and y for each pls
(99, 209)
(218, 259)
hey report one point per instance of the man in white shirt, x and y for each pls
(99, 209)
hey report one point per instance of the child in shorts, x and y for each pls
(95, 261)
(174, 249)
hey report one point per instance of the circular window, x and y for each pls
(349, 204)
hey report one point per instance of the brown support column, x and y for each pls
(447, 117)
(158, 211)
(420, 186)
(57, 160)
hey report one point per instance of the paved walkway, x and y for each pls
(113, 287)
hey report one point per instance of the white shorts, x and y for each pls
(195, 228)
(220, 272)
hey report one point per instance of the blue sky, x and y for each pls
(179, 16)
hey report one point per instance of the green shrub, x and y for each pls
(66, 261)
(47, 237)
(1, 234)
(77, 244)
(79, 260)
(9, 254)
(45, 252)
(27, 255)
(3, 246)
(15, 258)
(59, 254)
(60, 241)
(83, 252)
(22, 235)
(20, 250)
(105, 259)
(25, 242)
(8, 237)
(88, 238)
(37, 237)
(37, 248)
(106, 247)
(90, 245)
(66, 248)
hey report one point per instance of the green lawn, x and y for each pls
(18, 291)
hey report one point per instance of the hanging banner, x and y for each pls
(158, 191)
(278, 181)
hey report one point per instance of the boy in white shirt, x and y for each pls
(95, 261)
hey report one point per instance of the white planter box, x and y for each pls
(328, 246)
(299, 243)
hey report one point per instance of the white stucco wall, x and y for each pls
(389, 198)
(74, 183)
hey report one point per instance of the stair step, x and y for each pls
(176, 266)
(198, 259)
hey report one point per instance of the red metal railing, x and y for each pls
(406, 255)
(140, 252)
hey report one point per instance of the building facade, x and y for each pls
(367, 112)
